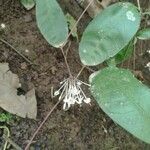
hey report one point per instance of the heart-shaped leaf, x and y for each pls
(51, 22)
(108, 33)
(125, 99)
(144, 34)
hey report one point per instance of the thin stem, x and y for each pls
(8, 134)
(69, 44)
(79, 20)
(16, 51)
(80, 72)
(134, 58)
(45, 119)
(139, 6)
(66, 62)
(69, 36)
(12, 143)
(88, 68)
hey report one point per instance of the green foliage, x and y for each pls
(5, 117)
(108, 33)
(124, 54)
(109, 37)
(71, 21)
(28, 4)
(51, 22)
(124, 99)
(144, 34)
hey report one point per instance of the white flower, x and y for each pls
(71, 92)
(3, 26)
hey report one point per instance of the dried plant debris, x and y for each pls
(23, 105)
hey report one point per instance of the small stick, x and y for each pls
(12, 143)
(16, 51)
(45, 119)
(8, 134)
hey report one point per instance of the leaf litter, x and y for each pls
(23, 105)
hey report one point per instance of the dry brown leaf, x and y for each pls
(23, 106)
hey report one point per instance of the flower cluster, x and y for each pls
(71, 92)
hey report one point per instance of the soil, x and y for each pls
(79, 128)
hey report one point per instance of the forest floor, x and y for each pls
(79, 128)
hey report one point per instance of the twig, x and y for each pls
(45, 119)
(8, 134)
(12, 143)
(8, 44)
(8, 140)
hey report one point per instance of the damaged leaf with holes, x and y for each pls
(109, 32)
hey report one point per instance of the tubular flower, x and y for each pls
(71, 92)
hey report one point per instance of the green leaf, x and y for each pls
(28, 4)
(144, 34)
(108, 33)
(124, 54)
(5, 117)
(124, 99)
(51, 22)
(71, 21)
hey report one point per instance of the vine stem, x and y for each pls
(62, 50)
(74, 26)
(8, 44)
(80, 72)
(38, 129)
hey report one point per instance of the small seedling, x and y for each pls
(5, 117)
